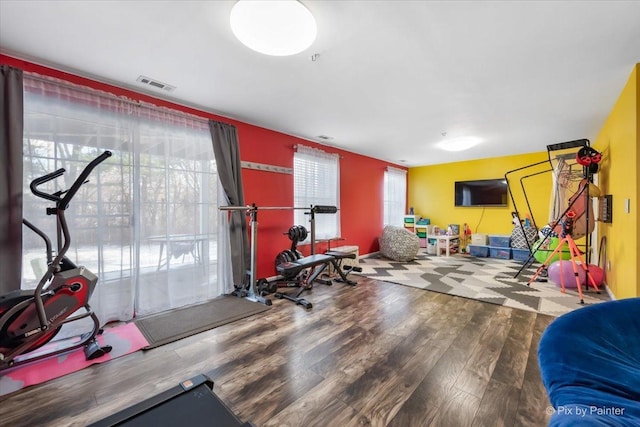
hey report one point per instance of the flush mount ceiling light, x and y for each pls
(278, 28)
(459, 144)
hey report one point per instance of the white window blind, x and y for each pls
(395, 196)
(316, 182)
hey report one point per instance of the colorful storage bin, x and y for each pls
(521, 255)
(500, 252)
(479, 251)
(500, 241)
(432, 246)
(409, 220)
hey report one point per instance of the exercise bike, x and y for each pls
(31, 318)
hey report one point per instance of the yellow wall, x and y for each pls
(431, 192)
(618, 141)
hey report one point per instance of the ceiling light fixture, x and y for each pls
(277, 28)
(459, 144)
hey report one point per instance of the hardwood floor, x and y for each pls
(376, 354)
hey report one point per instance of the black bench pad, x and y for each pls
(292, 268)
(341, 255)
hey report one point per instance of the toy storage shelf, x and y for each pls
(410, 222)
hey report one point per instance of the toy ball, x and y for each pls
(566, 275)
(544, 247)
(596, 273)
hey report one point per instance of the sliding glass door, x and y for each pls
(146, 222)
(177, 230)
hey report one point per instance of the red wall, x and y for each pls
(361, 178)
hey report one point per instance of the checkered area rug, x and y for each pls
(485, 279)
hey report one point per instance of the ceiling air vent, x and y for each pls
(155, 83)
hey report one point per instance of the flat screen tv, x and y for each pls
(484, 192)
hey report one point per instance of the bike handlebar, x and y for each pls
(42, 180)
(63, 202)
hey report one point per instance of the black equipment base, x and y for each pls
(191, 403)
(343, 271)
(290, 276)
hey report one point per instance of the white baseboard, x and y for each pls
(611, 295)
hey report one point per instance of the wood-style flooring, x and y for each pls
(377, 354)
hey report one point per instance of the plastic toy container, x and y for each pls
(479, 239)
(479, 251)
(499, 252)
(500, 241)
(521, 255)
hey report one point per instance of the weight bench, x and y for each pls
(343, 271)
(290, 275)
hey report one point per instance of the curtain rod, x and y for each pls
(330, 153)
(394, 169)
(105, 94)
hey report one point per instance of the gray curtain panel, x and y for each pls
(227, 152)
(11, 114)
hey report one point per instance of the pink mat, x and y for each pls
(124, 339)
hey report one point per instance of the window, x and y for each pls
(395, 196)
(146, 222)
(316, 182)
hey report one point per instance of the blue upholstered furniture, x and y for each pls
(590, 365)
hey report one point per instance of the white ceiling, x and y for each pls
(391, 76)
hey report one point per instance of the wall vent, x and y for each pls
(154, 83)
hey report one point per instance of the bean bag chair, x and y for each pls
(399, 244)
(590, 365)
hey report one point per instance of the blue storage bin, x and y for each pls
(479, 251)
(521, 255)
(501, 253)
(500, 241)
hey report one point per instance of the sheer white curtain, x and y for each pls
(178, 188)
(316, 179)
(395, 196)
(147, 221)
